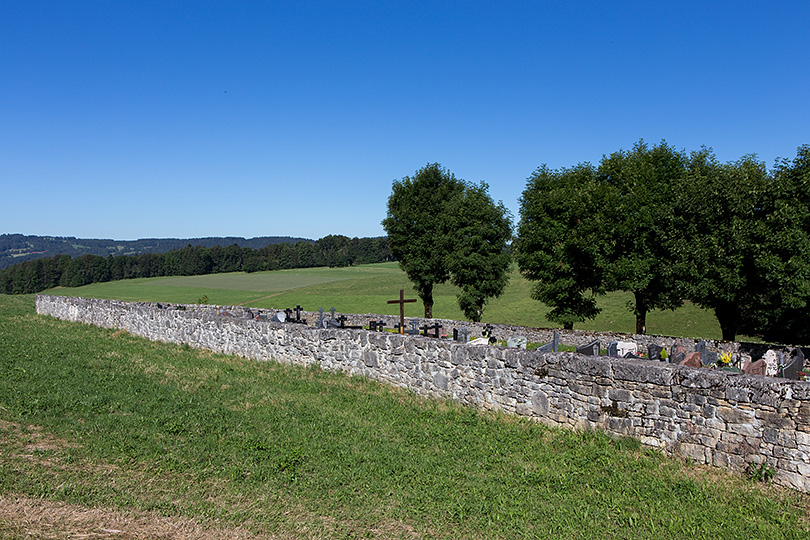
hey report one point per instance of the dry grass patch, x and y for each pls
(23, 517)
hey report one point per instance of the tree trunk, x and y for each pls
(427, 300)
(726, 314)
(641, 313)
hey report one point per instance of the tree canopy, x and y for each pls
(670, 226)
(441, 229)
(558, 245)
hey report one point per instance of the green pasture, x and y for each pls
(111, 422)
(367, 288)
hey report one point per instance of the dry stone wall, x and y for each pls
(714, 417)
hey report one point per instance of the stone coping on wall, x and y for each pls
(714, 417)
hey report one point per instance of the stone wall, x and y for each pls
(714, 417)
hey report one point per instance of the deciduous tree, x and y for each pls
(440, 227)
(559, 244)
(639, 226)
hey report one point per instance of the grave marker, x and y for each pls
(551, 346)
(591, 349)
(402, 301)
(516, 342)
(654, 351)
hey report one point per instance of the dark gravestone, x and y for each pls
(376, 326)
(700, 347)
(755, 368)
(677, 357)
(298, 310)
(654, 351)
(793, 367)
(342, 322)
(462, 335)
(692, 360)
(591, 349)
(552, 346)
(709, 358)
(613, 348)
(435, 328)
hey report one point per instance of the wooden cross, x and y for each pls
(401, 303)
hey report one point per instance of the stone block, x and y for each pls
(775, 420)
(735, 415)
(618, 394)
(694, 451)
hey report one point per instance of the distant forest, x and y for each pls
(17, 248)
(43, 273)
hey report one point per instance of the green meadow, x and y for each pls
(96, 424)
(367, 288)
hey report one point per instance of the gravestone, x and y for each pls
(755, 368)
(435, 327)
(620, 349)
(323, 322)
(376, 326)
(279, 316)
(793, 366)
(709, 358)
(692, 360)
(654, 351)
(771, 359)
(462, 335)
(414, 330)
(342, 322)
(552, 346)
(298, 319)
(516, 342)
(591, 349)
(700, 347)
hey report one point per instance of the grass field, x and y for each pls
(105, 435)
(367, 288)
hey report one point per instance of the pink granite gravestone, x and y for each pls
(692, 360)
(755, 368)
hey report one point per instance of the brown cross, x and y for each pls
(401, 303)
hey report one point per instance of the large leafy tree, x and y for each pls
(639, 227)
(559, 244)
(441, 228)
(478, 261)
(720, 212)
(781, 256)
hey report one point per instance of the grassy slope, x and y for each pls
(97, 417)
(367, 288)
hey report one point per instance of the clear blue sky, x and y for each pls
(136, 119)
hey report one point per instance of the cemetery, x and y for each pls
(731, 405)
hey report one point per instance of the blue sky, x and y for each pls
(148, 119)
